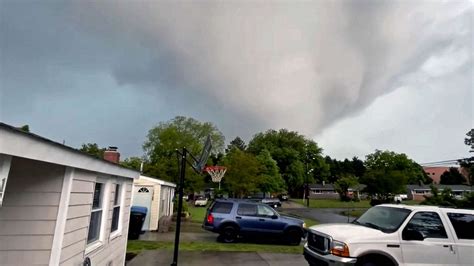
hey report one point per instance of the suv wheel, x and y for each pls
(228, 234)
(293, 237)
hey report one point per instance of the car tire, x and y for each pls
(228, 234)
(293, 237)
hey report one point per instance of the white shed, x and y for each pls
(157, 196)
(59, 206)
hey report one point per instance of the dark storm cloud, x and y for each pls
(123, 66)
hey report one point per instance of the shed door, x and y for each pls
(143, 197)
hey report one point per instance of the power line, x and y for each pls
(453, 161)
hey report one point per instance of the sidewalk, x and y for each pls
(216, 258)
(183, 237)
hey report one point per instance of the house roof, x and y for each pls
(331, 187)
(18, 143)
(157, 181)
(322, 187)
(452, 187)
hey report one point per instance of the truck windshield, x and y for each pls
(385, 219)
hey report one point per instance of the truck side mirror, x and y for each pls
(274, 216)
(411, 234)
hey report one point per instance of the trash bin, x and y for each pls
(137, 217)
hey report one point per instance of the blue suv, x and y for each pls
(234, 218)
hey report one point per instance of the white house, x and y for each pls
(59, 206)
(157, 196)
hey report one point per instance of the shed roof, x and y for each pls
(15, 142)
(157, 181)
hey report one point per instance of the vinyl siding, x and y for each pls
(77, 223)
(29, 212)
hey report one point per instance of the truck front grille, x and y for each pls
(318, 243)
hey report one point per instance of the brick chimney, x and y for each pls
(112, 155)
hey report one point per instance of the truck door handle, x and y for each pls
(452, 249)
(238, 217)
(445, 246)
(262, 220)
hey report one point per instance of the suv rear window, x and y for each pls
(463, 225)
(222, 207)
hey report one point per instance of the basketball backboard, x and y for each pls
(206, 151)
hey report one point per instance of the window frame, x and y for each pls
(105, 197)
(120, 204)
(405, 227)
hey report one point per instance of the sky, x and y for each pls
(354, 76)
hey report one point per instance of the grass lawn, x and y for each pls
(333, 203)
(197, 213)
(136, 246)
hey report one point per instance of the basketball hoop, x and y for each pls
(216, 173)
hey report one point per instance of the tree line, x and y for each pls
(273, 161)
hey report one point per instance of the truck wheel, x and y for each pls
(374, 260)
(293, 237)
(228, 234)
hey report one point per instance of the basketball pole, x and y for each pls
(182, 172)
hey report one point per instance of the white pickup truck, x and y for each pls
(390, 234)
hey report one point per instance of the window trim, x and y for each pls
(122, 191)
(441, 219)
(98, 243)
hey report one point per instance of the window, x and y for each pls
(265, 211)
(143, 190)
(247, 209)
(428, 224)
(386, 219)
(463, 225)
(116, 209)
(96, 214)
(222, 207)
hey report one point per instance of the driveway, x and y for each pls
(217, 258)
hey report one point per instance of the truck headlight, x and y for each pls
(339, 248)
(304, 225)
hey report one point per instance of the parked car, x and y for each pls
(272, 202)
(283, 197)
(200, 201)
(392, 234)
(232, 219)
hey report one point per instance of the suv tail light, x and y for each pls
(210, 219)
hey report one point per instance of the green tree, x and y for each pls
(358, 167)
(270, 178)
(292, 152)
(388, 173)
(468, 163)
(163, 141)
(237, 143)
(469, 140)
(452, 177)
(133, 163)
(93, 149)
(25, 128)
(243, 173)
(343, 184)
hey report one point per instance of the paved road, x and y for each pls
(216, 258)
(323, 215)
(328, 215)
